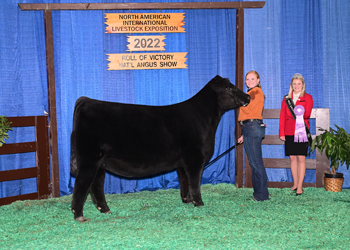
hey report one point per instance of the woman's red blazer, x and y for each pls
(287, 122)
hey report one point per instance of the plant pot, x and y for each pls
(333, 182)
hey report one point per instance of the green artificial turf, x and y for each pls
(230, 219)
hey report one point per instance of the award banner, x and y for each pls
(147, 61)
(144, 22)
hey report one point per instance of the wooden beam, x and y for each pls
(15, 148)
(276, 184)
(50, 67)
(140, 6)
(22, 121)
(17, 174)
(239, 84)
(21, 197)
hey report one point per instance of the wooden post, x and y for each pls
(50, 67)
(239, 84)
(42, 157)
(322, 162)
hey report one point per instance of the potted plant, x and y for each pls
(4, 128)
(335, 143)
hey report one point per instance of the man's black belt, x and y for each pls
(249, 120)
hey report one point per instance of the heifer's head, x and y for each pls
(229, 96)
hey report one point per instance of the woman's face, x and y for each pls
(251, 80)
(297, 86)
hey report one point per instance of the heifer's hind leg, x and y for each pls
(82, 185)
(97, 192)
(184, 190)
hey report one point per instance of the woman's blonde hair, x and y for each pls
(257, 76)
(300, 77)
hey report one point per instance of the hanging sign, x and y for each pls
(145, 43)
(144, 22)
(174, 60)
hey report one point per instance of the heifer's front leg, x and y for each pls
(184, 190)
(82, 185)
(194, 179)
(97, 192)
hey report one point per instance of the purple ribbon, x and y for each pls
(300, 132)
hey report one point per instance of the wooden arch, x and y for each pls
(48, 7)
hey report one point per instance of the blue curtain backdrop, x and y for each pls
(285, 37)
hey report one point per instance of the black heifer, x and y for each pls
(138, 141)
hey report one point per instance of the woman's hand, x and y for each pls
(283, 138)
(240, 139)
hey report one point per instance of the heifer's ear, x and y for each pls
(217, 77)
(232, 86)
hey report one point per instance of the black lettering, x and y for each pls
(129, 16)
(168, 64)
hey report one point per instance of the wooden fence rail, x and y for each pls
(42, 169)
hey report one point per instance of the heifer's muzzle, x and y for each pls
(245, 104)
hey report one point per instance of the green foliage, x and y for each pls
(335, 144)
(4, 128)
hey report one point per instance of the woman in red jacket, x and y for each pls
(296, 151)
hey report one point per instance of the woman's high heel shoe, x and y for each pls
(295, 189)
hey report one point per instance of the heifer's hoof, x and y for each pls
(198, 203)
(186, 200)
(104, 210)
(81, 219)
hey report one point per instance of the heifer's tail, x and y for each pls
(73, 157)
